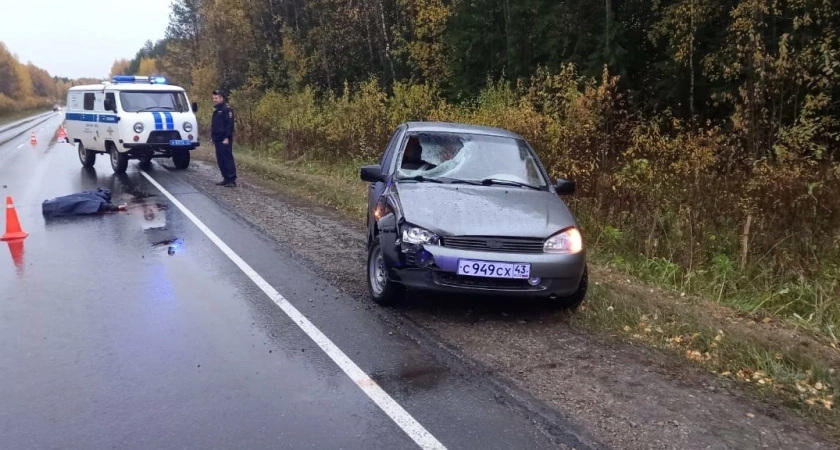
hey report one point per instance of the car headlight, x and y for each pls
(187, 127)
(417, 235)
(138, 127)
(569, 241)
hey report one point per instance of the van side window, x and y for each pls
(110, 100)
(89, 101)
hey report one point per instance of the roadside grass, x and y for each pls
(17, 115)
(781, 359)
(335, 186)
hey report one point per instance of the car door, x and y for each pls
(376, 189)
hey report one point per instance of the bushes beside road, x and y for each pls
(679, 204)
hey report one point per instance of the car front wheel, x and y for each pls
(382, 290)
(573, 301)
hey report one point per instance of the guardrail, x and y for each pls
(20, 123)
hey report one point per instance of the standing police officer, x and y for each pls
(221, 132)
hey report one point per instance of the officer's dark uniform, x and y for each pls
(221, 128)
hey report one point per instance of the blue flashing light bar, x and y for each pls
(139, 79)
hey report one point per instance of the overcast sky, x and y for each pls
(80, 38)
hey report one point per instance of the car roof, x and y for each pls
(127, 87)
(452, 127)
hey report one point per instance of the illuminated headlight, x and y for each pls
(138, 127)
(187, 127)
(417, 235)
(569, 241)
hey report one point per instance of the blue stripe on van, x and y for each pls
(158, 120)
(102, 118)
(81, 117)
(170, 124)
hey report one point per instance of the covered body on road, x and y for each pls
(79, 204)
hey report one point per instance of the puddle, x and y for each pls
(149, 215)
(420, 377)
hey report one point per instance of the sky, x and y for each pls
(80, 38)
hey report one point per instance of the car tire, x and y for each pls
(573, 301)
(383, 290)
(119, 161)
(181, 159)
(86, 157)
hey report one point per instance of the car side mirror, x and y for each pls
(372, 173)
(195, 106)
(564, 186)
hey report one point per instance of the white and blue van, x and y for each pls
(131, 117)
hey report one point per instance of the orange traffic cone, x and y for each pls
(13, 230)
(32, 139)
(16, 249)
(61, 133)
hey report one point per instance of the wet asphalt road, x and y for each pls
(134, 330)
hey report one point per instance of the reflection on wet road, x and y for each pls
(133, 329)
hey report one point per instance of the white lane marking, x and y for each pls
(388, 405)
(19, 146)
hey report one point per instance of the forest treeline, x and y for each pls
(704, 135)
(25, 87)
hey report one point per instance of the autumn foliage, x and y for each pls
(25, 86)
(704, 135)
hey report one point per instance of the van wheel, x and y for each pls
(87, 157)
(181, 159)
(119, 161)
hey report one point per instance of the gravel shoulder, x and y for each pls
(628, 396)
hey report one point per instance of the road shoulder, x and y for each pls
(628, 396)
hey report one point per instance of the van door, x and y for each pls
(88, 120)
(108, 119)
(100, 135)
(73, 126)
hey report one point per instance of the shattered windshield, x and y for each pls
(469, 157)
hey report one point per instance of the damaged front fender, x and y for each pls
(389, 239)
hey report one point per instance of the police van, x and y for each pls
(131, 117)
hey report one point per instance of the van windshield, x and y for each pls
(137, 101)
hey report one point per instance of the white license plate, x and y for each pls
(490, 269)
(180, 142)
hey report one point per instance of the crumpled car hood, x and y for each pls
(464, 210)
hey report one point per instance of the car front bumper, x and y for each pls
(437, 270)
(142, 146)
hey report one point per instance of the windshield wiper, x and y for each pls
(421, 179)
(491, 181)
(460, 181)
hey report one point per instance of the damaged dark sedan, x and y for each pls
(466, 209)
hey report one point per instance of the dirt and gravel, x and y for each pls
(626, 396)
